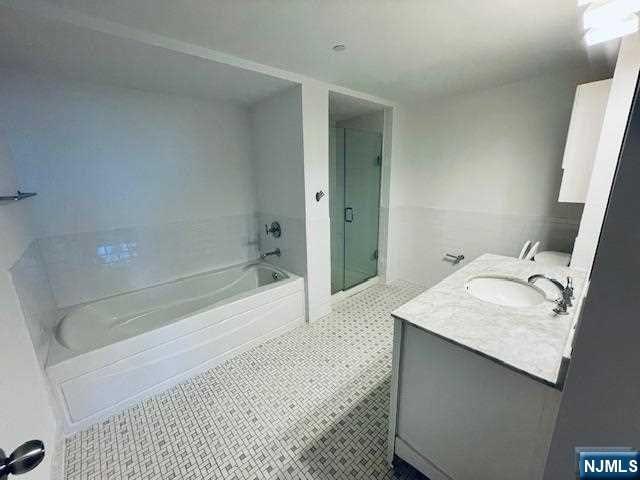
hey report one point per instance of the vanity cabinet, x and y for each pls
(476, 384)
(459, 416)
(582, 140)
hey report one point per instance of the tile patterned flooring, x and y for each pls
(312, 404)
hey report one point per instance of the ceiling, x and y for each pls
(396, 49)
(343, 107)
(33, 44)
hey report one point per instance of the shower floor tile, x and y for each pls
(312, 404)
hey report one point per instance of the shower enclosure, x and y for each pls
(354, 171)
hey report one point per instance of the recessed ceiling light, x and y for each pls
(340, 47)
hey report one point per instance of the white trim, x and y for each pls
(398, 332)
(318, 312)
(344, 294)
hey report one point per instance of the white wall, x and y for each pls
(613, 129)
(106, 158)
(497, 150)
(279, 176)
(315, 116)
(25, 411)
(278, 152)
(480, 173)
(135, 188)
(390, 152)
(291, 149)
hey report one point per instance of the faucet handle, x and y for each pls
(561, 309)
(567, 292)
(570, 286)
(274, 229)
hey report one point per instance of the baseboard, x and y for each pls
(404, 451)
(339, 296)
(58, 455)
(320, 311)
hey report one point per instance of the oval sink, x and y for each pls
(506, 291)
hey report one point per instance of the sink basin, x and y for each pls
(505, 291)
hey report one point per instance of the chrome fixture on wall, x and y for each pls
(454, 259)
(23, 459)
(274, 230)
(18, 196)
(275, 252)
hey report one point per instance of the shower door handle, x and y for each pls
(348, 215)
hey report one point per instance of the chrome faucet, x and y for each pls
(566, 293)
(275, 252)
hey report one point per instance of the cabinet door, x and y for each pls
(582, 140)
(469, 416)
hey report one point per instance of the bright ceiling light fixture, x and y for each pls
(603, 13)
(609, 19)
(613, 30)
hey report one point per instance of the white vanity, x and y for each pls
(478, 367)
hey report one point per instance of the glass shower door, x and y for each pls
(336, 205)
(362, 171)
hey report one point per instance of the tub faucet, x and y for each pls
(565, 300)
(275, 252)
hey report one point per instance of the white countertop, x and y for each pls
(531, 340)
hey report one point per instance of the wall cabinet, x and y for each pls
(582, 140)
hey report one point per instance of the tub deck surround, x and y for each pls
(529, 340)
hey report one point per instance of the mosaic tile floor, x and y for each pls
(312, 404)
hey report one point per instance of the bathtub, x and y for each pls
(112, 352)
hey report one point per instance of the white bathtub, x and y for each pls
(112, 352)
